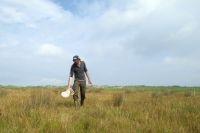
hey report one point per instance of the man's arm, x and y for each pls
(70, 76)
(88, 77)
(86, 72)
(68, 82)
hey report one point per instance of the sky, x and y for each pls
(129, 42)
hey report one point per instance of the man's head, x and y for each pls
(76, 59)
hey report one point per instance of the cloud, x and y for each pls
(30, 13)
(189, 62)
(50, 50)
(185, 31)
(3, 46)
(132, 41)
(51, 81)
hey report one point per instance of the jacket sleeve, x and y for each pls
(71, 71)
(85, 68)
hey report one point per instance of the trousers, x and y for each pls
(79, 85)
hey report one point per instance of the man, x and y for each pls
(79, 70)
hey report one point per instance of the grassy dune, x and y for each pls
(107, 110)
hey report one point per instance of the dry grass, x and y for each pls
(39, 110)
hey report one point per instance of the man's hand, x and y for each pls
(88, 77)
(71, 91)
(89, 82)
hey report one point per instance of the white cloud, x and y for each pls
(131, 14)
(51, 81)
(50, 50)
(3, 46)
(135, 32)
(184, 31)
(30, 13)
(183, 62)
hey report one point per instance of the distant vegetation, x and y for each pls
(129, 109)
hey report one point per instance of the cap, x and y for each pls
(76, 57)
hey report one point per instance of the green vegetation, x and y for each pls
(130, 109)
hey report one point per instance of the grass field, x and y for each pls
(136, 109)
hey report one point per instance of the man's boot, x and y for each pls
(82, 102)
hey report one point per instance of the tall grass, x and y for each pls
(43, 110)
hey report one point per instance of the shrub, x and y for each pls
(3, 93)
(128, 91)
(156, 94)
(118, 99)
(168, 92)
(188, 94)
